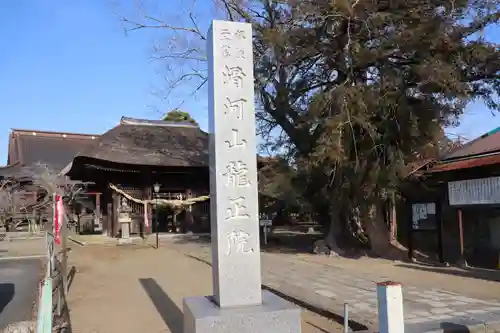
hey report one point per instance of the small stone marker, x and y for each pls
(238, 303)
(390, 307)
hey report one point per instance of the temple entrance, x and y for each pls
(165, 221)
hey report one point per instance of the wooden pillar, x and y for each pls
(440, 227)
(410, 233)
(106, 226)
(188, 220)
(33, 223)
(393, 236)
(97, 211)
(461, 235)
(64, 243)
(116, 209)
(148, 221)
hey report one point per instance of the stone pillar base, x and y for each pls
(125, 241)
(125, 226)
(275, 315)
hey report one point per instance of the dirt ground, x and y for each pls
(140, 289)
(23, 247)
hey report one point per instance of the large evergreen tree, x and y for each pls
(360, 89)
(177, 115)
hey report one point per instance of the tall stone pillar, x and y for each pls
(238, 303)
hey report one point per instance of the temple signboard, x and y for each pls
(480, 191)
(424, 216)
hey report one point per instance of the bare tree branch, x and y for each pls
(160, 25)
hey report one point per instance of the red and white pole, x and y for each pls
(58, 210)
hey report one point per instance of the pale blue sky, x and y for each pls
(68, 66)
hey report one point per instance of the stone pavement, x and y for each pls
(328, 287)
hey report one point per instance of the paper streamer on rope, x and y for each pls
(146, 219)
(160, 202)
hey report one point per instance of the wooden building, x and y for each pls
(29, 150)
(123, 165)
(53, 149)
(127, 161)
(465, 187)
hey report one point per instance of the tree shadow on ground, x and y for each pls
(427, 260)
(290, 243)
(61, 320)
(469, 272)
(196, 239)
(293, 242)
(7, 291)
(71, 276)
(452, 327)
(283, 242)
(317, 327)
(171, 314)
(88, 232)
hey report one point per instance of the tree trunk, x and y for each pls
(355, 224)
(393, 219)
(379, 235)
(328, 218)
(331, 239)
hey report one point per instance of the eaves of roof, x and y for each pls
(467, 163)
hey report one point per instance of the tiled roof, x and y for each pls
(54, 149)
(486, 143)
(9, 170)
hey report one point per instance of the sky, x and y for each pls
(69, 66)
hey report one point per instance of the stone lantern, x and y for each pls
(124, 219)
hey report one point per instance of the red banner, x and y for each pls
(58, 218)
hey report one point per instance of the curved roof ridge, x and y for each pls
(55, 133)
(161, 123)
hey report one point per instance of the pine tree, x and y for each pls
(177, 115)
